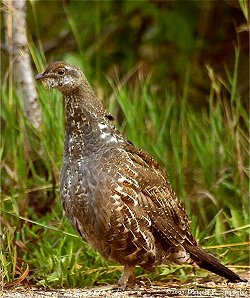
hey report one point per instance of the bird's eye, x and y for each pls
(60, 72)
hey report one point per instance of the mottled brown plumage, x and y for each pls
(115, 195)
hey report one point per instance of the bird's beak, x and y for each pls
(39, 76)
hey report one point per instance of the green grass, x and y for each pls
(205, 153)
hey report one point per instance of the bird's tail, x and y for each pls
(207, 261)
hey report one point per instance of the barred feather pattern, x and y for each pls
(121, 198)
(115, 195)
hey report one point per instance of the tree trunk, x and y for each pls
(17, 47)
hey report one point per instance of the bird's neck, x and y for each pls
(86, 119)
(82, 108)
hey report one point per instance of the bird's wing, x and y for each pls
(156, 197)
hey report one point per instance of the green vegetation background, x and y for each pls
(175, 75)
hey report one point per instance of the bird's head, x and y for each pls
(62, 76)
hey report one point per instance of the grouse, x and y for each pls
(115, 195)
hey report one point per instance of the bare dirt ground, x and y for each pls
(198, 288)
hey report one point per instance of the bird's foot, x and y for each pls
(127, 279)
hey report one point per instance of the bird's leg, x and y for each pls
(127, 277)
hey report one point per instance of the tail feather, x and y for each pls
(207, 261)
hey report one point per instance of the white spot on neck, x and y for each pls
(102, 126)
